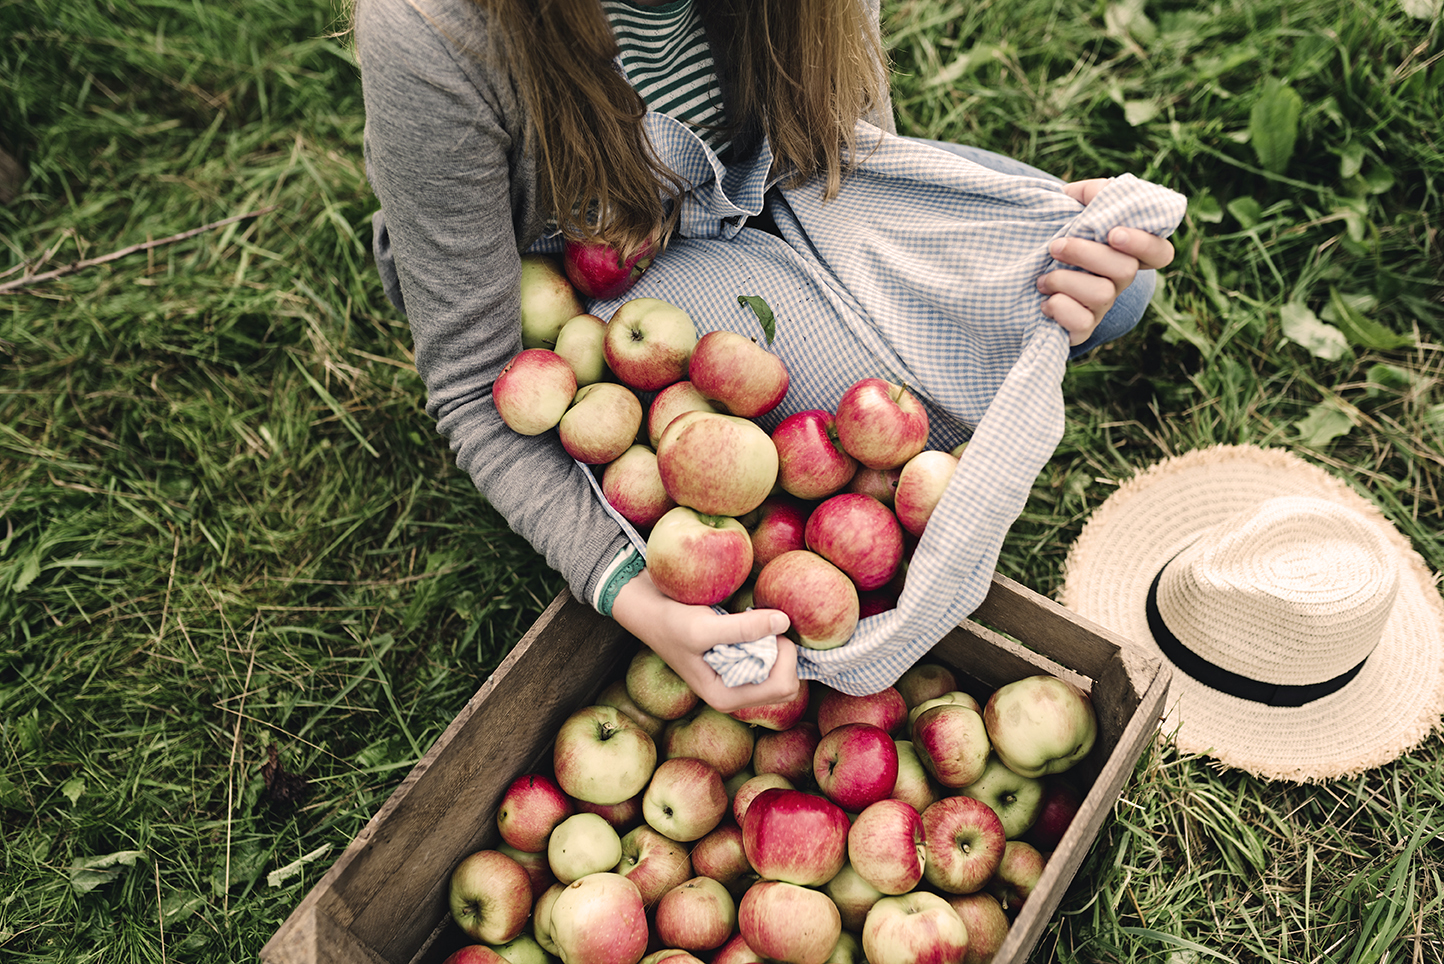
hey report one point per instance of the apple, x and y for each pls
(654, 862)
(1016, 799)
(599, 919)
(951, 696)
(847, 950)
(964, 840)
(490, 896)
(885, 846)
(697, 915)
(885, 709)
(698, 558)
(776, 526)
(881, 424)
(1040, 724)
(916, 928)
(721, 856)
(530, 808)
(1017, 875)
(581, 342)
(735, 782)
(672, 401)
(855, 765)
(601, 756)
(736, 951)
(601, 423)
(795, 836)
(632, 485)
(787, 922)
(881, 484)
(925, 681)
(582, 844)
(649, 343)
(787, 752)
(853, 895)
(870, 602)
(737, 373)
(810, 461)
(1061, 801)
(752, 787)
(534, 391)
(914, 785)
(656, 688)
(538, 869)
(622, 816)
(685, 799)
(541, 918)
(986, 922)
(820, 600)
(521, 949)
(952, 743)
(709, 734)
(548, 301)
(675, 955)
(776, 716)
(859, 535)
(920, 487)
(716, 464)
(475, 954)
(599, 271)
(615, 694)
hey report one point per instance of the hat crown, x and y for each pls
(1292, 591)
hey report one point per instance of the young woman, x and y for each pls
(749, 135)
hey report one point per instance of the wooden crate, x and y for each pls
(384, 901)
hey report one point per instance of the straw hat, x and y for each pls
(1305, 633)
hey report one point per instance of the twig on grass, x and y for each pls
(29, 279)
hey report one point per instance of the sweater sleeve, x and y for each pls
(443, 142)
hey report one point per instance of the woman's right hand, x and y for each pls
(681, 633)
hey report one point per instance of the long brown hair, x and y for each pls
(800, 72)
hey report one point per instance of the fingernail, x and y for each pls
(777, 624)
(1055, 247)
(1118, 236)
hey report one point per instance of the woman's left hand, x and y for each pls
(1078, 300)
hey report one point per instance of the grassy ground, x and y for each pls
(226, 524)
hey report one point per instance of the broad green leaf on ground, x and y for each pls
(1325, 422)
(1246, 211)
(88, 873)
(1303, 327)
(1362, 330)
(1273, 124)
(1205, 207)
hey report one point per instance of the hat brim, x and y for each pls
(1394, 702)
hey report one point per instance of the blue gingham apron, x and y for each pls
(921, 271)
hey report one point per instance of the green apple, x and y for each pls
(580, 343)
(1040, 725)
(1016, 799)
(548, 301)
(582, 844)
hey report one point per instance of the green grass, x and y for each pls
(227, 524)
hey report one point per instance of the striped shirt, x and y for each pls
(667, 60)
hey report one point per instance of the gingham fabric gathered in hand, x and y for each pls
(921, 271)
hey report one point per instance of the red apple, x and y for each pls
(810, 461)
(881, 484)
(582, 844)
(916, 928)
(787, 922)
(601, 756)
(870, 602)
(538, 869)
(1016, 799)
(548, 301)
(600, 919)
(721, 856)
(633, 486)
(986, 922)
(601, 423)
(534, 391)
(474, 954)
(737, 373)
(925, 681)
(751, 787)
(581, 342)
(530, 808)
(964, 840)
(654, 862)
(951, 696)
(656, 688)
(885, 708)
(776, 526)
(599, 271)
(711, 735)
(672, 401)
(697, 915)
(920, 487)
(649, 343)
(952, 743)
(1017, 875)
(1040, 724)
(787, 752)
(736, 951)
(716, 464)
(820, 600)
(881, 424)
(685, 799)
(490, 897)
(795, 836)
(853, 895)
(885, 846)
(855, 765)
(622, 816)
(1061, 801)
(776, 716)
(698, 558)
(859, 535)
